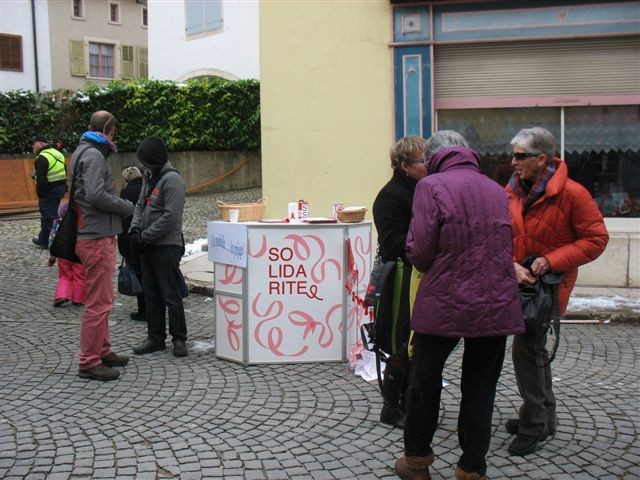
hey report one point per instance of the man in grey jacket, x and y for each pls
(156, 229)
(99, 212)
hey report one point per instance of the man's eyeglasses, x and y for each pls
(522, 155)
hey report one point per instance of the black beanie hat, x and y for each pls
(152, 151)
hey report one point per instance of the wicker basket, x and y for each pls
(247, 212)
(351, 214)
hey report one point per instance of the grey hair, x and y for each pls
(536, 140)
(443, 139)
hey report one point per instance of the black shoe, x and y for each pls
(392, 416)
(525, 444)
(59, 301)
(148, 346)
(138, 316)
(37, 243)
(513, 426)
(180, 348)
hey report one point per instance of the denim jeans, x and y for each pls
(481, 365)
(48, 206)
(161, 280)
(99, 261)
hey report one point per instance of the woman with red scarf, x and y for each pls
(556, 220)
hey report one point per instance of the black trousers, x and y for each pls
(162, 282)
(48, 206)
(481, 366)
(538, 410)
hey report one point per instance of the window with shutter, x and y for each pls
(101, 60)
(11, 52)
(143, 63)
(76, 51)
(128, 61)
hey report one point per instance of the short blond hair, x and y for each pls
(405, 150)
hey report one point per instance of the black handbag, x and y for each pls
(541, 305)
(63, 243)
(128, 282)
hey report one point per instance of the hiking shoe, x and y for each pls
(148, 346)
(525, 444)
(37, 243)
(180, 348)
(414, 468)
(392, 416)
(138, 316)
(99, 372)
(513, 426)
(464, 475)
(59, 301)
(115, 360)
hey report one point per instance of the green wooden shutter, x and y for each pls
(76, 51)
(128, 63)
(143, 62)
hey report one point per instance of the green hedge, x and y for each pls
(200, 115)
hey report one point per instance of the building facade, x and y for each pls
(204, 38)
(53, 44)
(484, 68)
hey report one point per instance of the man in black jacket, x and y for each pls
(51, 185)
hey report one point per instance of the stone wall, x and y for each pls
(203, 172)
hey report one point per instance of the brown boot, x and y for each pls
(414, 468)
(462, 475)
(99, 372)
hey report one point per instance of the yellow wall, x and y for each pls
(326, 102)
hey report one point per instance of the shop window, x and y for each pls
(101, 60)
(602, 151)
(11, 52)
(602, 146)
(203, 16)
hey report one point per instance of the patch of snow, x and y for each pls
(203, 345)
(603, 303)
(193, 248)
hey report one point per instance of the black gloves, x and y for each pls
(136, 239)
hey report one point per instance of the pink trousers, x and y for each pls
(70, 281)
(99, 261)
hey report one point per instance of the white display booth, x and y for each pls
(288, 293)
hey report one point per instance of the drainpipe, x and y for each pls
(35, 43)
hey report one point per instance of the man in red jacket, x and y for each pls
(556, 220)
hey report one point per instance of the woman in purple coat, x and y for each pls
(460, 238)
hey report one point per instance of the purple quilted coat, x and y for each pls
(460, 237)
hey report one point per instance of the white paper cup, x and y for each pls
(233, 215)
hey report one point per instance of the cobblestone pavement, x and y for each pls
(202, 417)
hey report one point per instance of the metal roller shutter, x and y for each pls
(549, 68)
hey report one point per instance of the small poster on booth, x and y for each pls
(227, 243)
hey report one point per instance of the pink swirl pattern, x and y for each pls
(231, 309)
(303, 250)
(262, 249)
(232, 275)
